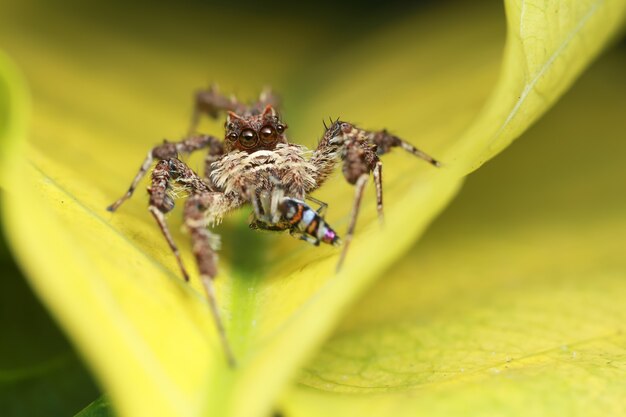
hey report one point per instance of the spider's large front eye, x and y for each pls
(268, 134)
(248, 138)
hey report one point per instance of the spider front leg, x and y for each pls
(359, 159)
(161, 202)
(200, 210)
(385, 141)
(359, 149)
(171, 150)
(211, 103)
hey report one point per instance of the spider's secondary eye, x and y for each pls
(280, 128)
(268, 134)
(248, 138)
(232, 136)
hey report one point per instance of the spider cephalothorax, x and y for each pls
(250, 133)
(255, 165)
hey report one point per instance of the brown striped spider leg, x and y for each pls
(168, 150)
(203, 208)
(359, 150)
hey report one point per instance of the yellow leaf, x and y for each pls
(512, 303)
(102, 98)
(549, 43)
(14, 108)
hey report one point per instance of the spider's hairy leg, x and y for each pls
(385, 141)
(264, 203)
(356, 205)
(215, 152)
(359, 160)
(359, 149)
(202, 208)
(377, 172)
(171, 150)
(161, 203)
(211, 102)
(165, 172)
(204, 246)
(326, 155)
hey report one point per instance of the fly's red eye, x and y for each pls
(268, 134)
(248, 138)
(280, 128)
(232, 136)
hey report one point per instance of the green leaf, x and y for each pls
(105, 97)
(13, 114)
(99, 408)
(512, 304)
(40, 374)
(549, 43)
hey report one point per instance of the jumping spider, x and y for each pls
(255, 164)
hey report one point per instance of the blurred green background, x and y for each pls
(40, 374)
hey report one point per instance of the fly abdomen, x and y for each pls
(303, 220)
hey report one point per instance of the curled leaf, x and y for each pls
(511, 303)
(110, 279)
